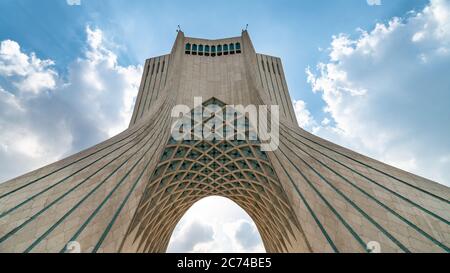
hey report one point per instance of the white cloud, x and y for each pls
(27, 73)
(104, 90)
(230, 231)
(374, 2)
(246, 235)
(388, 92)
(91, 103)
(73, 2)
(304, 118)
(191, 235)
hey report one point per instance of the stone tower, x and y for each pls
(309, 195)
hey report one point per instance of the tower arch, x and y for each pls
(190, 170)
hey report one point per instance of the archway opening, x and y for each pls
(216, 225)
(190, 170)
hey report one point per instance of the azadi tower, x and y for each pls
(128, 193)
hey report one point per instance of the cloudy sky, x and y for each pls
(372, 75)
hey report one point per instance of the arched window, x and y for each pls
(194, 49)
(207, 50)
(188, 48)
(225, 49)
(219, 50)
(200, 49)
(213, 51)
(231, 48)
(238, 47)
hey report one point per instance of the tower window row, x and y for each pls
(215, 50)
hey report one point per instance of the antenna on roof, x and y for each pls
(178, 28)
(246, 27)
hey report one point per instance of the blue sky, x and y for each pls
(371, 75)
(292, 30)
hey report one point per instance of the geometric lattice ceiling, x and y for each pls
(190, 170)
